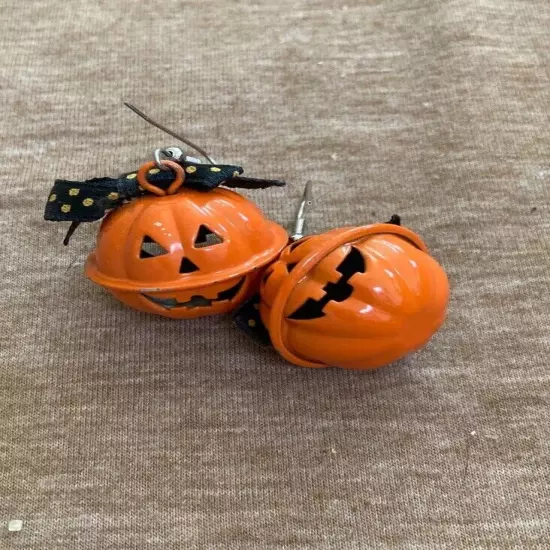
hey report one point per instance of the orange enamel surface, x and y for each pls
(395, 303)
(248, 242)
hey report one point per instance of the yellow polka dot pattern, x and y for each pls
(131, 176)
(112, 196)
(74, 192)
(191, 169)
(251, 323)
(236, 174)
(88, 202)
(215, 169)
(65, 208)
(53, 196)
(154, 171)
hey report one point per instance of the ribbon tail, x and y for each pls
(395, 220)
(247, 318)
(71, 230)
(242, 182)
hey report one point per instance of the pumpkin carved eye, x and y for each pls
(206, 237)
(151, 249)
(339, 291)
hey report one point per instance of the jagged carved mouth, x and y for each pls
(197, 300)
(338, 292)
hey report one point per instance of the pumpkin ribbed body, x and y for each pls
(354, 298)
(184, 255)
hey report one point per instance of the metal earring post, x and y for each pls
(305, 205)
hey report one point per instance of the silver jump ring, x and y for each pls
(158, 160)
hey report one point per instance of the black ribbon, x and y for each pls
(88, 201)
(248, 320)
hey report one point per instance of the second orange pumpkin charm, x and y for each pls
(355, 298)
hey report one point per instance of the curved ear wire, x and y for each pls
(170, 132)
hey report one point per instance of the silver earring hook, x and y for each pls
(158, 160)
(170, 132)
(305, 205)
(170, 153)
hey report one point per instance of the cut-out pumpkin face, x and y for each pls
(355, 298)
(184, 255)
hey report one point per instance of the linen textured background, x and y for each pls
(121, 430)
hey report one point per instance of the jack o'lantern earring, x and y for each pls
(357, 297)
(173, 242)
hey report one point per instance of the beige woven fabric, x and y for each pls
(121, 430)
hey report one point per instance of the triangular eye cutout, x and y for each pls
(151, 249)
(187, 266)
(206, 237)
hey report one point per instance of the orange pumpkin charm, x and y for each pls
(355, 298)
(186, 253)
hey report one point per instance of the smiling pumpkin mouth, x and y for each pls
(197, 300)
(338, 292)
